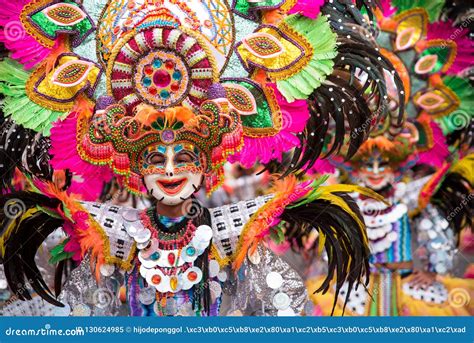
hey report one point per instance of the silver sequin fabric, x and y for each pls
(251, 296)
(86, 297)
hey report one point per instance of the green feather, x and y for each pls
(432, 7)
(313, 194)
(17, 105)
(323, 40)
(58, 254)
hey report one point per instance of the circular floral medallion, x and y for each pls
(162, 67)
(162, 78)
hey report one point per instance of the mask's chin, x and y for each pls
(172, 191)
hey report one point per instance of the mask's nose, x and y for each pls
(376, 168)
(169, 166)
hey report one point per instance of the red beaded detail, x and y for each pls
(170, 244)
(175, 270)
(171, 258)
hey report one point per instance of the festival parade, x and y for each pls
(201, 158)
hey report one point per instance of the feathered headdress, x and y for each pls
(430, 55)
(119, 140)
(291, 75)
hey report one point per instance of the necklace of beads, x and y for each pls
(168, 240)
(167, 261)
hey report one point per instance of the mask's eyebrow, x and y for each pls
(177, 148)
(151, 158)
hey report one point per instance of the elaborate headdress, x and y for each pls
(417, 142)
(430, 56)
(120, 140)
(260, 79)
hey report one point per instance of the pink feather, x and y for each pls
(322, 166)
(295, 116)
(308, 8)
(387, 9)
(437, 155)
(25, 49)
(88, 179)
(465, 46)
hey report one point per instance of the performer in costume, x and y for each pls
(430, 59)
(163, 93)
(440, 207)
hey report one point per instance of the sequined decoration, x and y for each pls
(63, 14)
(72, 73)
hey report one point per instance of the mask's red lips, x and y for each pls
(376, 179)
(171, 186)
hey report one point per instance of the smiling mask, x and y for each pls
(172, 173)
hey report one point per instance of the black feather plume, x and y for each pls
(347, 250)
(24, 227)
(455, 199)
(354, 99)
(24, 149)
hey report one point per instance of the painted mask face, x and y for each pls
(172, 173)
(376, 173)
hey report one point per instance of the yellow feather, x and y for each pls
(321, 242)
(464, 168)
(14, 223)
(337, 201)
(355, 189)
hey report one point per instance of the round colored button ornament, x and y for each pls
(192, 276)
(161, 78)
(174, 283)
(156, 279)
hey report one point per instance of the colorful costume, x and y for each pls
(424, 216)
(396, 241)
(160, 94)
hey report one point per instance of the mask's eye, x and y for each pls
(156, 159)
(185, 157)
(383, 165)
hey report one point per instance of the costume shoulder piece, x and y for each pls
(228, 222)
(115, 223)
(119, 225)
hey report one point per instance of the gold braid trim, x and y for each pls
(223, 261)
(308, 53)
(288, 5)
(29, 28)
